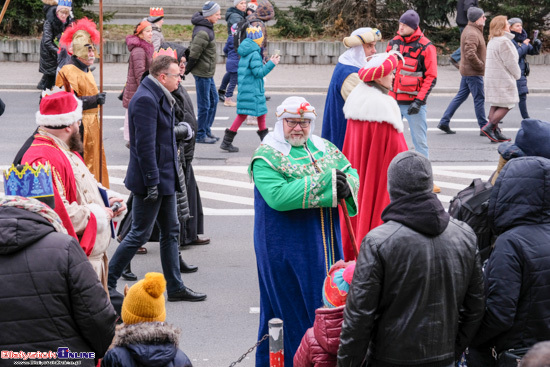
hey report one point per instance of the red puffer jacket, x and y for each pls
(319, 345)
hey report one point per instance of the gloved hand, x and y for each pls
(101, 98)
(183, 131)
(152, 194)
(191, 62)
(414, 107)
(537, 45)
(342, 188)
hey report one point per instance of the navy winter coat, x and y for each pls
(153, 151)
(232, 62)
(523, 51)
(153, 344)
(517, 273)
(50, 294)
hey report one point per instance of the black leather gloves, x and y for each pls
(152, 194)
(342, 188)
(414, 107)
(101, 98)
(183, 131)
(191, 62)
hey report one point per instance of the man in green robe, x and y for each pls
(300, 178)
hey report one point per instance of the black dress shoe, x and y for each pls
(200, 241)
(186, 294)
(184, 268)
(128, 275)
(446, 129)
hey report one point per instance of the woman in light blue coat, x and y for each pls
(251, 97)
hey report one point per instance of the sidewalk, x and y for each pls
(284, 78)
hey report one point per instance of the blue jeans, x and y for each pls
(143, 220)
(468, 84)
(419, 128)
(207, 103)
(457, 54)
(231, 79)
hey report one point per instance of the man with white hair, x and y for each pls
(360, 44)
(300, 179)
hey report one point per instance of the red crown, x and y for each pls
(167, 52)
(156, 12)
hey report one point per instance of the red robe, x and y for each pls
(44, 149)
(374, 136)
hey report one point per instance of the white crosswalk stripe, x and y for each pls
(227, 190)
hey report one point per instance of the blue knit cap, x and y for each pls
(210, 8)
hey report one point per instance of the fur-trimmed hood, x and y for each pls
(366, 103)
(146, 333)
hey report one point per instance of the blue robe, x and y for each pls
(296, 235)
(334, 121)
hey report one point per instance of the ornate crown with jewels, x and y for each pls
(30, 181)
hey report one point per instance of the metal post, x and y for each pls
(101, 49)
(276, 343)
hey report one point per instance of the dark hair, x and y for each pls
(161, 64)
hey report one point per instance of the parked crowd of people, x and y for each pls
(411, 292)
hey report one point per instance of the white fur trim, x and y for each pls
(66, 119)
(100, 216)
(370, 104)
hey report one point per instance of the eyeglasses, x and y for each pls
(174, 75)
(303, 123)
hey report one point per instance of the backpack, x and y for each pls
(471, 205)
(240, 33)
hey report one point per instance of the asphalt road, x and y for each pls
(216, 332)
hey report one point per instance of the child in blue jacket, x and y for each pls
(230, 78)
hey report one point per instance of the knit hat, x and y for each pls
(236, 2)
(64, 4)
(379, 66)
(265, 10)
(82, 35)
(210, 8)
(531, 140)
(141, 26)
(513, 21)
(372, 35)
(144, 301)
(337, 282)
(58, 109)
(410, 18)
(474, 13)
(155, 14)
(409, 173)
(255, 34)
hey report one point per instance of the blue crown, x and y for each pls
(33, 182)
(68, 3)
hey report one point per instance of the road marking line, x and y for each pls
(476, 129)
(254, 310)
(227, 198)
(225, 182)
(449, 185)
(228, 212)
(460, 175)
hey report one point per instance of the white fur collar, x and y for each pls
(367, 103)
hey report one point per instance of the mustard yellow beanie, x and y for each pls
(145, 300)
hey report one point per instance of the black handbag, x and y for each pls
(511, 357)
(527, 69)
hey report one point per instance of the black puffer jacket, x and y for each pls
(518, 271)
(50, 295)
(53, 28)
(417, 291)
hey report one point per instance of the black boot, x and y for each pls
(227, 140)
(489, 131)
(42, 82)
(500, 136)
(184, 268)
(221, 95)
(262, 133)
(127, 274)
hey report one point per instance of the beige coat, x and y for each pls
(501, 71)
